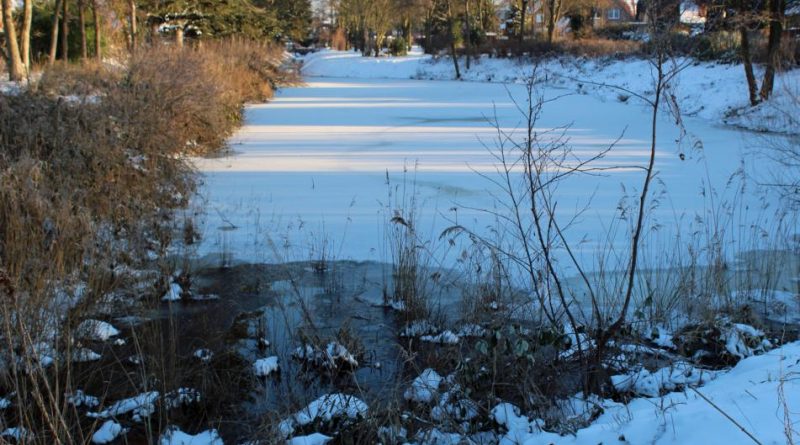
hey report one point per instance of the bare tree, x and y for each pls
(25, 37)
(16, 70)
(776, 17)
(554, 11)
(451, 26)
(467, 33)
(54, 32)
(97, 30)
(133, 27)
(82, 26)
(65, 30)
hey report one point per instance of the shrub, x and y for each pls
(91, 167)
(398, 47)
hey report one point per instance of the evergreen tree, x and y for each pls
(294, 17)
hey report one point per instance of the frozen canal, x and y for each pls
(308, 171)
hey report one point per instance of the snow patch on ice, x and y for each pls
(325, 409)
(108, 432)
(424, 388)
(174, 436)
(265, 366)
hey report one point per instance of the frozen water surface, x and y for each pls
(308, 171)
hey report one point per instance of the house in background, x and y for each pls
(616, 12)
(792, 13)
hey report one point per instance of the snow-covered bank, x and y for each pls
(712, 91)
(759, 394)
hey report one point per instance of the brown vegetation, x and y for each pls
(92, 163)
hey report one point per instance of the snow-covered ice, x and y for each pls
(108, 432)
(311, 439)
(81, 399)
(174, 436)
(96, 330)
(318, 163)
(265, 366)
(174, 293)
(142, 405)
(325, 408)
(424, 388)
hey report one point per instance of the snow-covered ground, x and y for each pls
(759, 394)
(313, 169)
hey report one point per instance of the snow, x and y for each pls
(678, 375)
(81, 399)
(19, 434)
(748, 393)
(142, 405)
(4, 403)
(743, 340)
(108, 432)
(418, 328)
(708, 89)
(312, 439)
(780, 306)
(96, 330)
(181, 397)
(82, 355)
(424, 388)
(445, 337)
(325, 408)
(204, 355)
(333, 356)
(174, 293)
(265, 366)
(318, 162)
(174, 436)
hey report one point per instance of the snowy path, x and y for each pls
(309, 168)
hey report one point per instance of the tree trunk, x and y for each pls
(776, 8)
(65, 30)
(467, 33)
(16, 71)
(752, 87)
(96, 18)
(25, 38)
(179, 36)
(54, 33)
(523, 10)
(554, 12)
(82, 25)
(132, 18)
(451, 24)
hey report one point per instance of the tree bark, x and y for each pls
(451, 24)
(25, 38)
(776, 8)
(523, 10)
(16, 71)
(747, 61)
(96, 18)
(179, 36)
(467, 33)
(54, 32)
(554, 12)
(65, 30)
(82, 25)
(134, 25)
